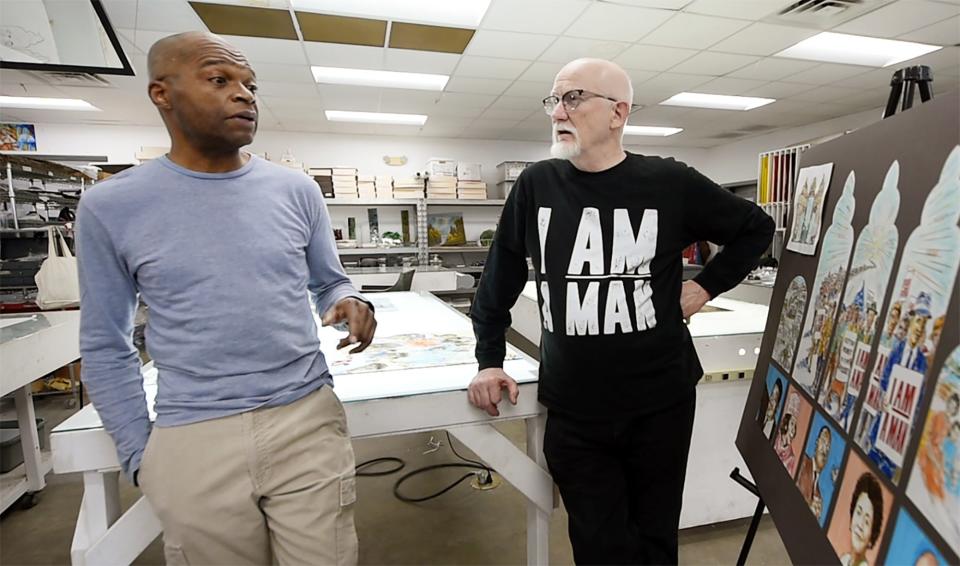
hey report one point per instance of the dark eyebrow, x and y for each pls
(214, 61)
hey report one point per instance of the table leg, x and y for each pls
(75, 400)
(98, 511)
(538, 520)
(29, 438)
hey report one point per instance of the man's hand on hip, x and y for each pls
(692, 298)
(359, 319)
(485, 390)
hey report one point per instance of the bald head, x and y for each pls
(598, 75)
(171, 54)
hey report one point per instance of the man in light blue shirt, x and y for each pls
(249, 459)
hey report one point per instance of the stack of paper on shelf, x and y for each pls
(366, 187)
(324, 178)
(476, 190)
(345, 182)
(408, 187)
(442, 186)
(384, 186)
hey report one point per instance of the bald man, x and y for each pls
(249, 460)
(605, 230)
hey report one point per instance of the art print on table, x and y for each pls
(911, 546)
(408, 351)
(808, 201)
(934, 485)
(792, 429)
(820, 466)
(810, 365)
(858, 322)
(774, 395)
(860, 516)
(788, 330)
(914, 320)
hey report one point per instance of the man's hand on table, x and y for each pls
(485, 391)
(359, 319)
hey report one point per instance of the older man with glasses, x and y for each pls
(605, 230)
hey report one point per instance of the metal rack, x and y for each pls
(776, 176)
(40, 173)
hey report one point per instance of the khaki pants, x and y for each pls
(270, 485)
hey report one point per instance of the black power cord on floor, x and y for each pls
(485, 477)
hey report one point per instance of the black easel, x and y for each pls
(757, 514)
(903, 83)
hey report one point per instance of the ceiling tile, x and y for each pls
(490, 68)
(510, 45)
(741, 9)
(876, 80)
(168, 16)
(122, 13)
(421, 37)
(946, 32)
(349, 56)
(342, 29)
(779, 90)
(827, 73)
(408, 101)
(238, 20)
(462, 105)
(356, 98)
(677, 81)
(763, 39)
(409, 61)
(946, 60)
(616, 22)
(142, 39)
(276, 88)
(14, 88)
(516, 103)
(284, 73)
(899, 18)
(640, 77)
(532, 16)
(13, 76)
(729, 86)
(716, 64)
(653, 58)
(772, 68)
(693, 31)
(567, 49)
(662, 4)
(541, 71)
(476, 86)
(261, 50)
(494, 113)
(825, 93)
(533, 89)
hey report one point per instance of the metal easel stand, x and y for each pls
(902, 86)
(757, 515)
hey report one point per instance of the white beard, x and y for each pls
(565, 149)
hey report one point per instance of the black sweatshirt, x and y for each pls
(614, 342)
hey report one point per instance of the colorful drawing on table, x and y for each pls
(810, 364)
(792, 429)
(914, 320)
(774, 395)
(788, 331)
(934, 485)
(860, 516)
(408, 351)
(17, 137)
(909, 545)
(812, 185)
(445, 230)
(857, 325)
(820, 466)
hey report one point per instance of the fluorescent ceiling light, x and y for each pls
(716, 101)
(856, 49)
(388, 79)
(650, 131)
(38, 103)
(451, 12)
(376, 118)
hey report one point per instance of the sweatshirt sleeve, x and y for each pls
(327, 280)
(111, 365)
(502, 281)
(716, 215)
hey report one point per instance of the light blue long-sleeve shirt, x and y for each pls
(224, 261)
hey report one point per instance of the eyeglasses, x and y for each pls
(571, 100)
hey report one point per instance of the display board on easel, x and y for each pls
(853, 434)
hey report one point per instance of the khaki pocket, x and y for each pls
(347, 544)
(174, 555)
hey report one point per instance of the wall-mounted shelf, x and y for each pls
(458, 249)
(378, 251)
(465, 202)
(374, 202)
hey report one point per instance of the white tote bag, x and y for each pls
(57, 283)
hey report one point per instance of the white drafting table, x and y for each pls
(382, 403)
(727, 343)
(31, 346)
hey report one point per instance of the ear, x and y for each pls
(159, 94)
(621, 111)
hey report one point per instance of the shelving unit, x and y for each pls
(776, 177)
(40, 173)
(378, 251)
